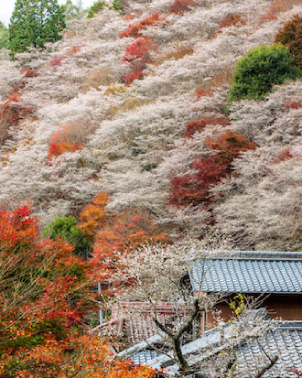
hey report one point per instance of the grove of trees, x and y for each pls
(128, 132)
(34, 23)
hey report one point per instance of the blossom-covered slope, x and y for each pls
(133, 103)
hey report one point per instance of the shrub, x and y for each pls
(29, 73)
(68, 138)
(138, 56)
(293, 105)
(181, 6)
(116, 5)
(134, 30)
(230, 20)
(11, 112)
(198, 125)
(291, 37)
(96, 7)
(193, 189)
(261, 68)
(66, 228)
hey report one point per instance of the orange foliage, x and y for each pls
(125, 232)
(44, 301)
(279, 6)
(230, 144)
(40, 295)
(94, 216)
(62, 141)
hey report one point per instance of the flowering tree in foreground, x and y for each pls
(156, 274)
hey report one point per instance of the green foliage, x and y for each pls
(4, 37)
(291, 37)
(96, 8)
(261, 68)
(34, 23)
(66, 228)
(116, 5)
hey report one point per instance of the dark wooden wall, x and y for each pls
(286, 307)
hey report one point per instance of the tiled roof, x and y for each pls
(134, 320)
(142, 353)
(285, 342)
(249, 272)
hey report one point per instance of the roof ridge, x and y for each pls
(257, 255)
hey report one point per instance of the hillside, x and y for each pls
(107, 109)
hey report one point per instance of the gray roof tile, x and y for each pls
(285, 342)
(247, 275)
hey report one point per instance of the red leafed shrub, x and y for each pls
(292, 105)
(137, 56)
(198, 126)
(57, 60)
(12, 110)
(200, 92)
(194, 189)
(229, 145)
(63, 140)
(140, 49)
(134, 30)
(231, 20)
(181, 6)
(28, 72)
(291, 36)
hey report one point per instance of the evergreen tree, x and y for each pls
(35, 22)
(4, 39)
